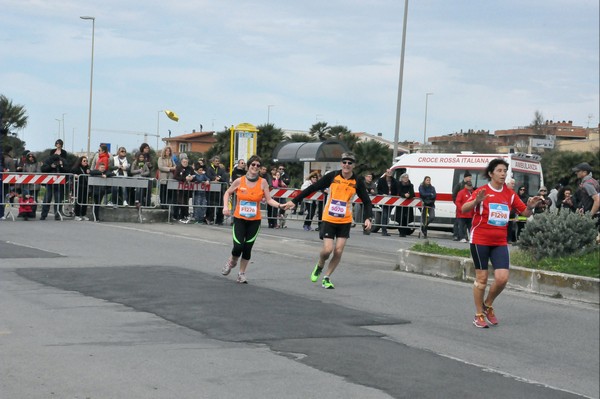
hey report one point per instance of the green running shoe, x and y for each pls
(327, 283)
(315, 274)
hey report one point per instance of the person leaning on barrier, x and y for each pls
(139, 169)
(166, 168)
(405, 215)
(99, 192)
(386, 185)
(81, 170)
(55, 164)
(102, 156)
(184, 174)
(371, 187)
(120, 168)
(310, 206)
(199, 200)
(31, 165)
(216, 174)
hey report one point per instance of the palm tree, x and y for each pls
(221, 147)
(372, 156)
(269, 137)
(11, 116)
(344, 134)
(320, 130)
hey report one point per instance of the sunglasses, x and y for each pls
(255, 164)
(347, 162)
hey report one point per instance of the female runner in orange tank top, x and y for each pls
(250, 190)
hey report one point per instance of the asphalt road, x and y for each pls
(99, 310)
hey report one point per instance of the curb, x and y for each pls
(553, 284)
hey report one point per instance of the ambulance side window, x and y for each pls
(476, 179)
(399, 172)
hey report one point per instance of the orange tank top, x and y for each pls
(248, 200)
(338, 208)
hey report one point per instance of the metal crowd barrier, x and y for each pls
(205, 200)
(70, 191)
(399, 208)
(99, 192)
(47, 189)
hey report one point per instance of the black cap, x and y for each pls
(583, 166)
(467, 174)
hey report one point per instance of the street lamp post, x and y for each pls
(63, 128)
(269, 112)
(93, 19)
(425, 128)
(399, 102)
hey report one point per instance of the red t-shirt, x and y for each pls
(490, 221)
(462, 197)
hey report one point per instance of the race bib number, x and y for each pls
(499, 215)
(337, 208)
(248, 209)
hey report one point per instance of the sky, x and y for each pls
(489, 64)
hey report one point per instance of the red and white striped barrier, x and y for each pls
(387, 200)
(33, 179)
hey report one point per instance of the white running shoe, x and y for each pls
(85, 218)
(78, 219)
(227, 268)
(125, 203)
(242, 278)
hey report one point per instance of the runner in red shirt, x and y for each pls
(492, 204)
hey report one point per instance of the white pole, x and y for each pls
(399, 103)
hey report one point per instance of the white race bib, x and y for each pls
(337, 208)
(499, 215)
(248, 209)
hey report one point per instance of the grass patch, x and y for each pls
(434, 248)
(587, 265)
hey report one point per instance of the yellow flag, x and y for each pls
(172, 115)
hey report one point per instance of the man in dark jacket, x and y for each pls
(405, 214)
(219, 175)
(386, 185)
(587, 196)
(7, 164)
(55, 164)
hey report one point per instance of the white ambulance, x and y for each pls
(447, 170)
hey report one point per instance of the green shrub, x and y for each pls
(553, 234)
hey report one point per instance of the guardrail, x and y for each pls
(73, 194)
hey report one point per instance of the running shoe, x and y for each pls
(227, 268)
(488, 311)
(242, 278)
(327, 283)
(479, 321)
(315, 274)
